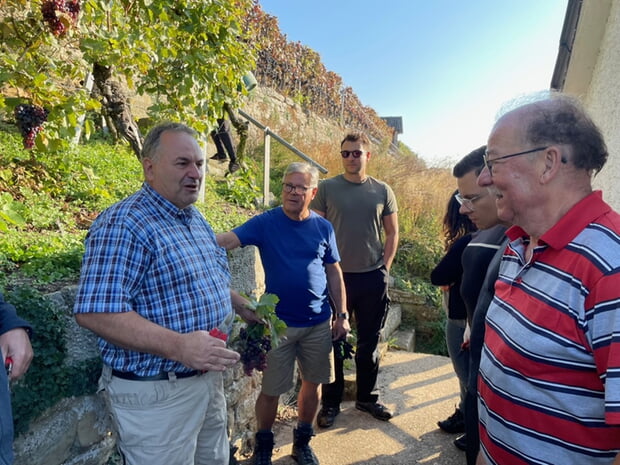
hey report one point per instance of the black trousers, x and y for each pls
(368, 302)
(222, 139)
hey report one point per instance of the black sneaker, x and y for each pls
(219, 156)
(461, 442)
(327, 416)
(233, 166)
(376, 409)
(455, 423)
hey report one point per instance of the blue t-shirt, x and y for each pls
(294, 254)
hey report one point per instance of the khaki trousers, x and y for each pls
(181, 422)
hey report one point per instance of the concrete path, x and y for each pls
(421, 389)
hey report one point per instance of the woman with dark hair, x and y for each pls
(447, 274)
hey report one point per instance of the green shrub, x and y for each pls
(48, 379)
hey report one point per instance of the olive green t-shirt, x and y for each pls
(356, 211)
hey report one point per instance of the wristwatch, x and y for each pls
(344, 315)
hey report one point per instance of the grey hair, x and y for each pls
(557, 118)
(153, 138)
(303, 168)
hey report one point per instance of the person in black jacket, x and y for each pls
(448, 274)
(16, 355)
(479, 206)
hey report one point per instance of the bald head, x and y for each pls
(561, 120)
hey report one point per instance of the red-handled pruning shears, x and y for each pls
(8, 365)
(215, 332)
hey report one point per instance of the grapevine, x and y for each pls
(253, 347)
(256, 340)
(59, 15)
(296, 70)
(30, 119)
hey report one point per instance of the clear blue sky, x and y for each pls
(445, 66)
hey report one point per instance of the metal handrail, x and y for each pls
(269, 133)
(289, 146)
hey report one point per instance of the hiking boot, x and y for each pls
(327, 416)
(455, 423)
(219, 156)
(376, 409)
(302, 452)
(263, 448)
(461, 442)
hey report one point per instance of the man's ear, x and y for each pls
(553, 161)
(147, 168)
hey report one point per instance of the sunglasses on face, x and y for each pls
(355, 153)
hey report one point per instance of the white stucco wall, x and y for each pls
(602, 100)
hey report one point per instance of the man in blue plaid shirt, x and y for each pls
(153, 284)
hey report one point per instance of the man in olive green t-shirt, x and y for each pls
(362, 209)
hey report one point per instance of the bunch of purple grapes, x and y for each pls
(253, 349)
(53, 10)
(29, 119)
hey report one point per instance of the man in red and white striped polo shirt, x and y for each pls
(549, 386)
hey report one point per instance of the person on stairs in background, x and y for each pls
(363, 211)
(225, 149)
(448, 274)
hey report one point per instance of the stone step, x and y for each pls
(403, 340)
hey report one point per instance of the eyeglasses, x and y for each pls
(489, 163)
(468, 202)
(291, 189)
(355, 153)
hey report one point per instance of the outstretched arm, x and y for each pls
(242, 308)
(228, 240)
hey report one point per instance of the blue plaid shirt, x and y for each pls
(143, 254)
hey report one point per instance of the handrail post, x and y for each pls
(204, 169)
(266, 168)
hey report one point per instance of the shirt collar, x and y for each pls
(186, 214)
(571, 224)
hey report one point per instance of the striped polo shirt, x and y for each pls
(549, 386)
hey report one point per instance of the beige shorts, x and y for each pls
(311, 347)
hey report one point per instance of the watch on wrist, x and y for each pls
(344, 315)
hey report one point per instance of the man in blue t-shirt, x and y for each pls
(300, 257)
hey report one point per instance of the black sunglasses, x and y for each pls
(355, 153)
